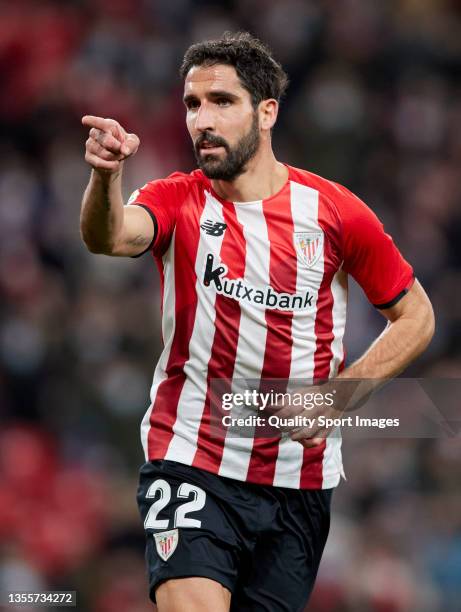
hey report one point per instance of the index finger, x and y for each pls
(97, 122)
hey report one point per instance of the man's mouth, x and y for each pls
(209, 147)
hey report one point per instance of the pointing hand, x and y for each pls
(108, 144)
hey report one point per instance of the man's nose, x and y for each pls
(205, 119)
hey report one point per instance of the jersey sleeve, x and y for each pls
(161, 199)
(370, 255)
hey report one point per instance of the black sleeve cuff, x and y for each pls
(154, 221)
(393, 302)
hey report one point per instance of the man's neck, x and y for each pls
(264, 177)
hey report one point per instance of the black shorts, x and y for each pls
(263, 543)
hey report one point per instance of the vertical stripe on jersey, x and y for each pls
(339, 293)
(163, 414)
(332, 462)
(249, 359)
(277, 356)
(168, 328)
(166, 270)
(190, 404)
(221, 365)
(312, 469)
(304, 212)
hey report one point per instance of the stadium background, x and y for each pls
(374, 103)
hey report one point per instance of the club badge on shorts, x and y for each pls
(309, 246)
(166, 543)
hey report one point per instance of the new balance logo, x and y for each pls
(213, 229)
(264, 297)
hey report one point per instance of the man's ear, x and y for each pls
(268, 110)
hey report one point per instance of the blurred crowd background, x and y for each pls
(374, 103)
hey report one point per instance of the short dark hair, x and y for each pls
(259, 73)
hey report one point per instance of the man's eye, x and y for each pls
(191, 105)
(223, 102)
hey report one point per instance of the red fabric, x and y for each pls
(224, 350)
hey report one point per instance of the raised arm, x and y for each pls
(107, 226)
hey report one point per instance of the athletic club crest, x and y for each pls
(166, 542)
(309, 246)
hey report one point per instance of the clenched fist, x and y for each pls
(108, 144)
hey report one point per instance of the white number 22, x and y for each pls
(185, 490)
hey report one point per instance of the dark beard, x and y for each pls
(236, 159)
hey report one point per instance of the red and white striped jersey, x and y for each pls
(256, 290)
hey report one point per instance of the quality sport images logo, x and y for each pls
(262, 297)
